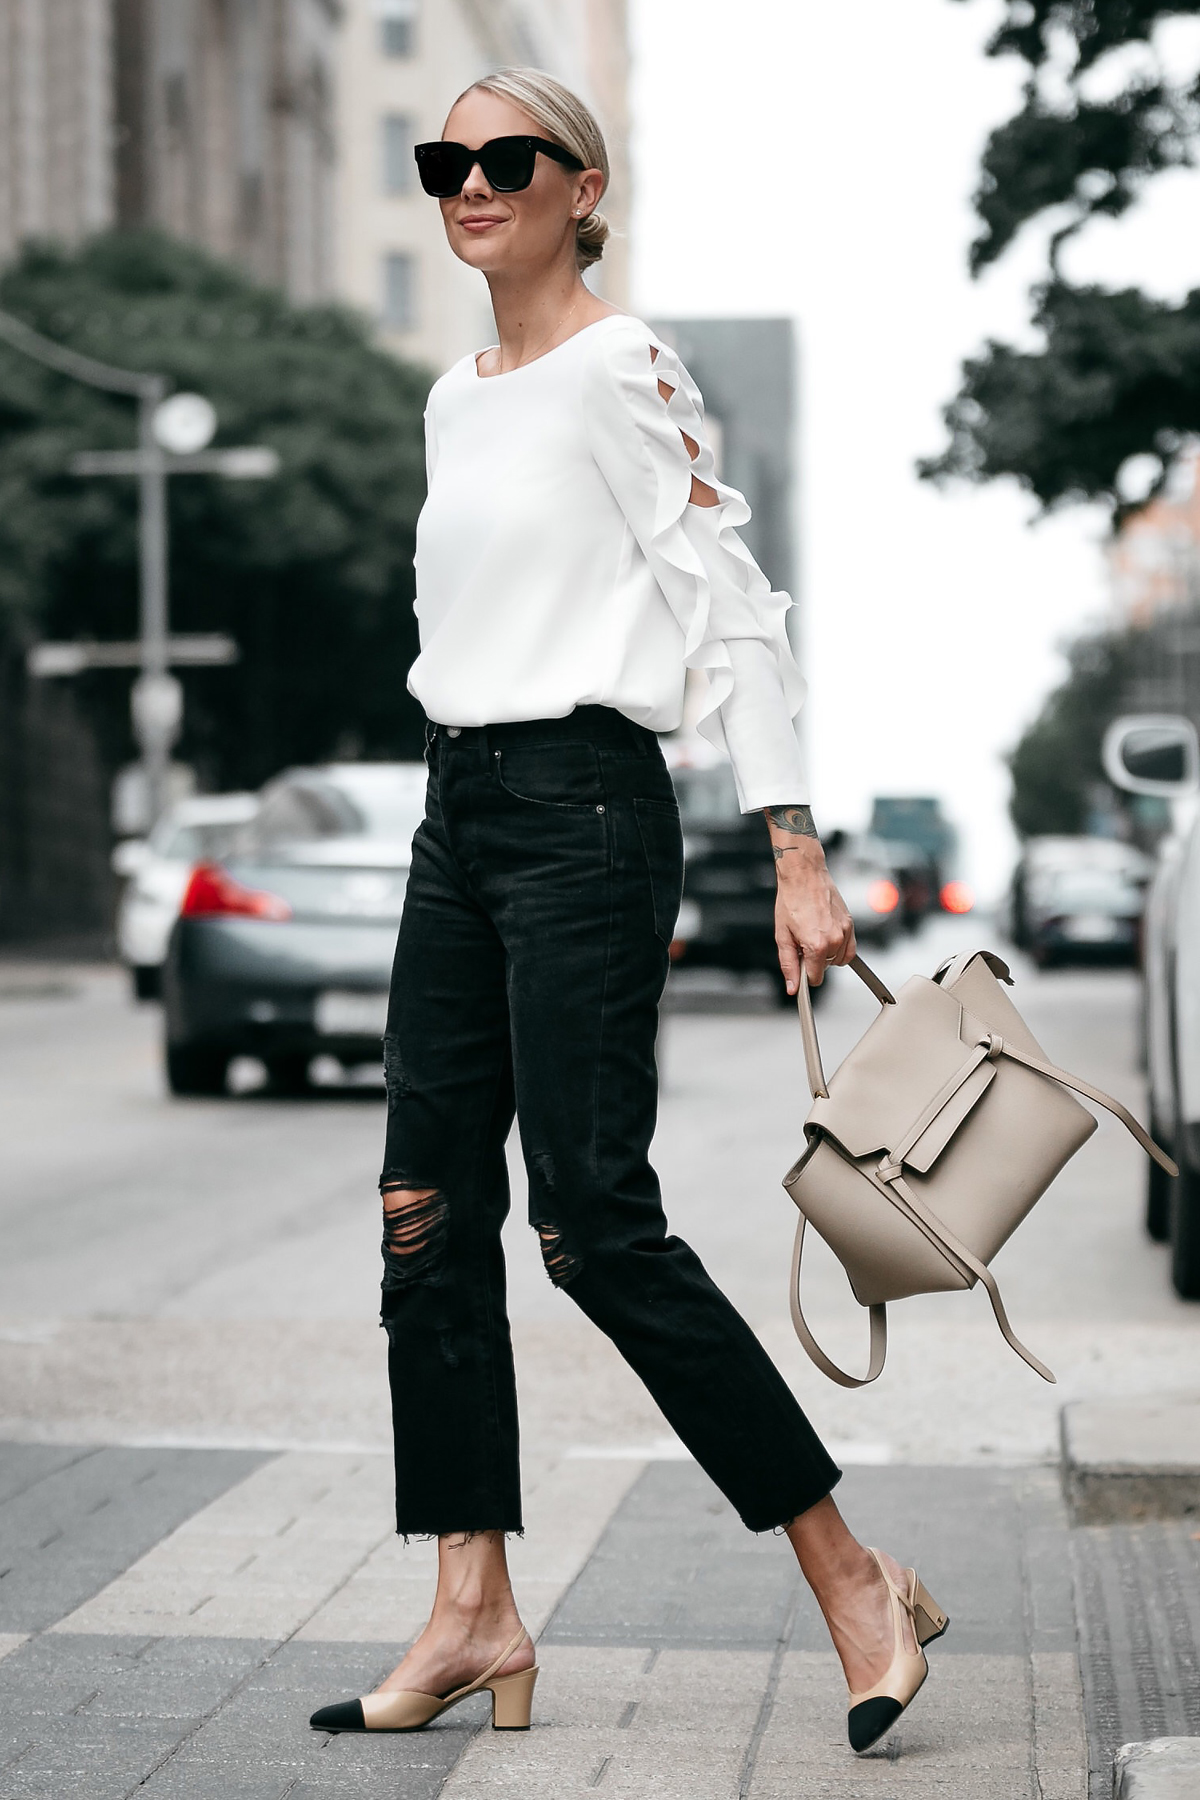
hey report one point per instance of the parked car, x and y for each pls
(1158, 754)
(1075, 899)
(283, 946)
(156, 871)
(728, 916)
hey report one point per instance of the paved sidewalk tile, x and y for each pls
(260, 1745)
(91, 1716)
(73, 1521)
(260, 1560)
(567, 1508)
(624, 1724)
(966, 1736)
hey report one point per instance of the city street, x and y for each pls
(194, 1492)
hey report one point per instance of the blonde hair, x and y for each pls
(561, 116)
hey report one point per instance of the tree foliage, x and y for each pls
(311, 572)
(1057, 760)
(1116, 373)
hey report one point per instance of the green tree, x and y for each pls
(1057, 760)
(1117, 373)
(311, 573)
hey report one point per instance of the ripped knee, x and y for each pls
(561, 1265)
(416, 1226)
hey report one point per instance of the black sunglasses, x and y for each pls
(507, 164)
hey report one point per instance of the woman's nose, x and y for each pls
(476, 185)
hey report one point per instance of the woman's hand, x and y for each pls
(811, 920)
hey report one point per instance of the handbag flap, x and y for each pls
(935, 1137)
(899, 1065)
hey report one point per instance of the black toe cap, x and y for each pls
(870, 1719)
(344, 1715)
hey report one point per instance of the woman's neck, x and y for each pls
(531, 314)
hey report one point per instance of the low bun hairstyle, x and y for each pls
(561, 116)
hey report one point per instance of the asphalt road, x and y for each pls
(207, 1269)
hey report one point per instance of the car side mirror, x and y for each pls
(129, 857)
(1152, 753)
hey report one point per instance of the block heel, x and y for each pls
(512, 1700)
(929, 1621)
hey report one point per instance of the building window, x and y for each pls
(398, 27)
(399, 169)
(400, 291)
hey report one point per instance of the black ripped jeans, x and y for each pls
(532, 955)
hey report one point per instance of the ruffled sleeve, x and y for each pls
(732, 623)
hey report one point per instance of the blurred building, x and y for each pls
(56, 175)
(746, 370)
(1154, 560)
(403, 63)
(211, 118)
(225, 130)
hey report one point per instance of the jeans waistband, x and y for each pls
(601, 725)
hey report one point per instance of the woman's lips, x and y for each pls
(480, 222)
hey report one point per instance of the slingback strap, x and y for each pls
(502, 1658)
(808, 1025)
(878, 1352)
(1098, 1097)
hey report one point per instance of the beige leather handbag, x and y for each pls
(941, 1129)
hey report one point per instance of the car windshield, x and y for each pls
(381, 802)
(195, 842)
(707, 796)
(1086, 890)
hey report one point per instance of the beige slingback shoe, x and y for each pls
(874, 1712)
(406, 1710)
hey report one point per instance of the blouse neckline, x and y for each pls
(506, 374)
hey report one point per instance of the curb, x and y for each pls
(1129, 1460)
(1162, 1769)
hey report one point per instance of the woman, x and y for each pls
(575, 555)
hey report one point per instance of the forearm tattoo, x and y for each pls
(797, 821)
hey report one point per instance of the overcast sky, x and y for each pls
(816, 158)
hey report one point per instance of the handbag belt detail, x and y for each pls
(939, 1132)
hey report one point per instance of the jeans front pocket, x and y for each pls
(662, 840)
(567, 776)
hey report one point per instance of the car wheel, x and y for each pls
(289, 1074)
(1158, 1204)
(1185, 1234)
(196, 1069)
(1158, 1191)
(147, 981)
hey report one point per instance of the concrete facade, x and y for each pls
(402, 64)
(56, 70)
(226, 133)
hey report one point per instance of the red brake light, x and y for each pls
(883, 896)
(956, 897)
(212, 890)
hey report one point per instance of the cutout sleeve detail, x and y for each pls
(716, 591)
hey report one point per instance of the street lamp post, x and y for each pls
(173, 436)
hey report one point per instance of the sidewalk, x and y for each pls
(173, 1615)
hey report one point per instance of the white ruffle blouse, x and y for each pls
(560, 562)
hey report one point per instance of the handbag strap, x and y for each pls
(808, 1025)
(827, 1366)
(1098, 1097)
